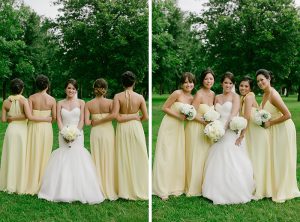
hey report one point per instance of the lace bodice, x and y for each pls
(224, 110)
(71, 117)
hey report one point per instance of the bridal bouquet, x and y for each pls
(211, 115)
(238, 123)
(261, 116)
(214, 130)
(189, 111)
(70, 133)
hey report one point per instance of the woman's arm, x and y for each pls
(81, 121)
(144, 109)
(28, 113)
(87, 114)
(53, 111)
(58, 116)
(16, 118)
(196, 102)
(108, 118)
(248, 103)
(235, 108)
(4, 112)
(167, 106)
(277, 101)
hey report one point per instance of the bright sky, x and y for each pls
(196, 5)
(46, 7)
(43, 7)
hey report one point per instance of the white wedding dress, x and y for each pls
(228, 176)
(71, 174)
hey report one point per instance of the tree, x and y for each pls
(243, 36)
(103, 39)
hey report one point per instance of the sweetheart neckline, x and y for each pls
(71, 109)
(223, 103)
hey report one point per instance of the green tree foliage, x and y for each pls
(101, 38)
(238, 36)
(176, 47)
(243, 36)
(88, 40)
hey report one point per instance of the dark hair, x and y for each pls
(228, 75)
(265, 73)
(249, 80)
(204, 74)
(128, 78)
(100, 87)
(189, 76)
(73, 82)
(41, 82)
(16, 86)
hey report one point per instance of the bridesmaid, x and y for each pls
(282, 140)
(169, 161)
(15, 109)
(102, 138)
(131, 150)
(257, 142)
(40, 135)
(196, 143)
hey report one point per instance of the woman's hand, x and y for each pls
(239, 140)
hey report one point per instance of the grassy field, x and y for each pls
(15, 207)
(200, 209)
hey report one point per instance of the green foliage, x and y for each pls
(103, 39)
(243, 36)
(88, 40)
(237, 36)
(176, 48)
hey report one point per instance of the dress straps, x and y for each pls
(128, 100)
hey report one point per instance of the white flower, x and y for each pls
(189, 111)
(261, 116)
(214, 130)
(211, 115)
(238, 123)
(70, 133)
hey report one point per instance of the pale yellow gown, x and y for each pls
(102, 140)
(258, 147)
(39, 147)
(132, 160)
(284, 157)
(12, 171)
(169, 159)
(197, 145)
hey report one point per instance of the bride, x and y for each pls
(228, 176)
(71, 174)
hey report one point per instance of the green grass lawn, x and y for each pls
(15, 207)
(200, 209)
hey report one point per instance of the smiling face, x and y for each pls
(262, 82)
(244, 88)
(227, 85)
(70, 90)
(208, 81)
(187, 86)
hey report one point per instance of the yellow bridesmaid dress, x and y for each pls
(284, 157)
(39, 147)
(169, 159)
(12, 172)
(258, 147)
(102, 140)
(132, 160)
(196, 151)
